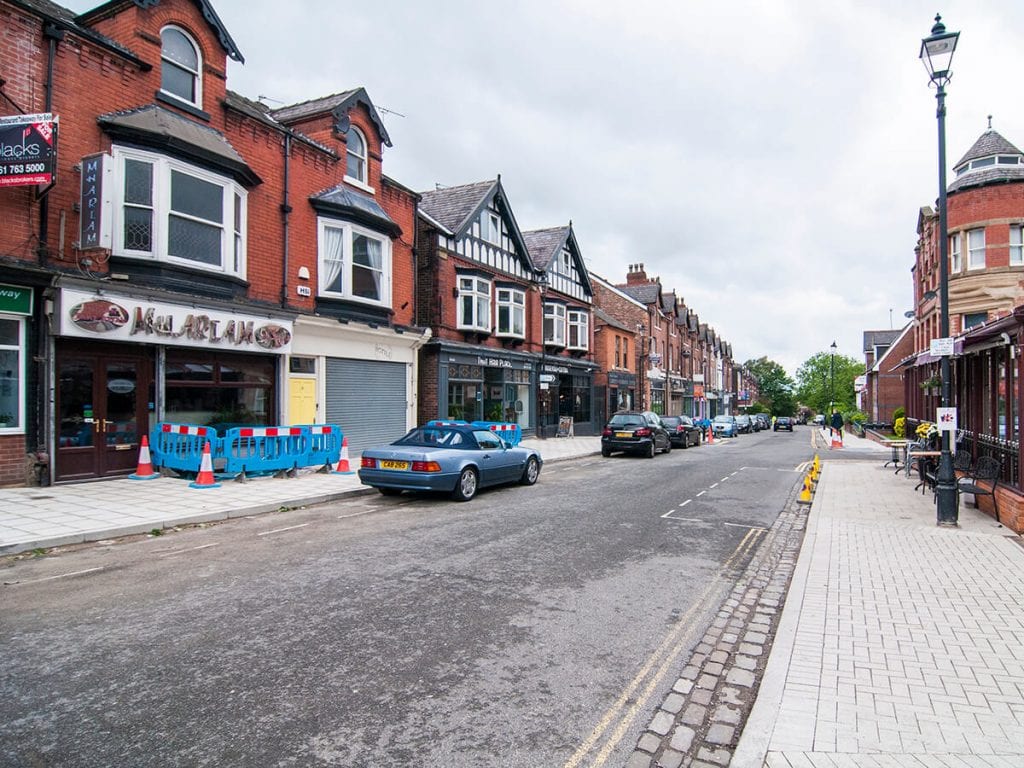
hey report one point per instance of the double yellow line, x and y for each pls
(618, 719)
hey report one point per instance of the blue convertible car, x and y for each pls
(457, 459)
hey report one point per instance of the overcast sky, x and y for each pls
(766, 160)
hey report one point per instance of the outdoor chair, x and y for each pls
(982, 481)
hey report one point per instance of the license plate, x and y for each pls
(623, 434)
(387, 464)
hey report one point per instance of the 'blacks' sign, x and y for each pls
(28, 149)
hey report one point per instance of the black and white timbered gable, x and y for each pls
(556, 253)
(476, 222)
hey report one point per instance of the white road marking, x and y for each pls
(701, 493)
(189, 549)
(358, 514)
(724, 479)
(279, 530)
(713, 485)
(60, 576)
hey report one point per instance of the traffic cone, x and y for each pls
(837, 439)
(711, 435)
(145, 468)
(805, 494)
(205, 477)
(343, 466)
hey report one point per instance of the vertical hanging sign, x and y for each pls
(94, 216)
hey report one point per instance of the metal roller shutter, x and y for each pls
(367, 399)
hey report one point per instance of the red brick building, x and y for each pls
(195, 256)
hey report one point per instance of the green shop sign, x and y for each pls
(16, 299)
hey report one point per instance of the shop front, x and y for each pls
(566, 391)
(17, 304)
(621, 394)
(488, 385)
(125, 362)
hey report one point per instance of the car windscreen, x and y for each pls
(671, 421)
(434, 437)
(724, 419)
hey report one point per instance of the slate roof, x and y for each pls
(452, 207)
(990, 144)
(647, 293)
(874, 339)
(336, 104)
(545, 244)
(261, 113)
(357, 207)
(161, 128)
(607, 319)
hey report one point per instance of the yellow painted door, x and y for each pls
(301, 401)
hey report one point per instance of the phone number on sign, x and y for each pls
(19, 168)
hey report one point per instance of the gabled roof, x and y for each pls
(874, 339)
(205, 8)
(893, 346)
(338, 105)
(457, 208)
(545, 245)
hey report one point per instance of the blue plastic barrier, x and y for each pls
(263, 450)
(325, 441)
(180, 446)
(509, 432)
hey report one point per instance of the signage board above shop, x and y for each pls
(114, 317)
(15, 299)
(28, 150)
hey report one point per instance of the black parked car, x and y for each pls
(784, 422)
(682, 431)
(744, 424)
(635, 432)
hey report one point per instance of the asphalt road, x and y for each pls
(529, 627)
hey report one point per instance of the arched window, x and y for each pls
(180, 66)
(355, 152)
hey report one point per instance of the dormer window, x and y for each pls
(180, 66)
(355, 155)
(490, 227)
(988, 162)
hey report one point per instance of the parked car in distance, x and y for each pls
(763, 419)
(744, 423)
(638, 432)
(458, 459)
(724, 426)
(783, 422)
(682, 431)
(819, 420)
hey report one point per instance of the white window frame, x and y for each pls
(490, 227)
(197, 74)
(513, 300)
(956, 261)
(578, 320)
(478, 290)
(19, 348)
(233, 244)
(566, 262)
(974, 249)
(361, 181)
(1016, 245)
(557, 314)
(329, 228)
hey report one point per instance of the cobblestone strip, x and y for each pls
(699, 723)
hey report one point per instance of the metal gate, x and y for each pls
(367, 399)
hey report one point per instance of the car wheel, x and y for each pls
(531, 471)
(465, 489)
(389, 491)
(650, 450)
(668, 446)
(686, 441)
(606, 452)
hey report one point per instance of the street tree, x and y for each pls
(822, 377)
(774, 386)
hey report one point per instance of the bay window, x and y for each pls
(168, 210)
(354, 263)
(579, 336)
(474, 297)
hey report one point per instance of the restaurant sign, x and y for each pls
(28, 149)
(112, 317)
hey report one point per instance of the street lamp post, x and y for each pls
(542, 287)
(937, 56)
(832, 384)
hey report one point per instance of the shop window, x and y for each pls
(355, 156)
(554, 324)
(221, 391)
(355, 263)
(474, 297)
(180, 66)
(175, 212)
(12, 384)
(579, 336)
(511, 306)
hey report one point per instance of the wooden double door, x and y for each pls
(104, 396)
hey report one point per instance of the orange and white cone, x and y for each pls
(205, 478)
(837, 438)
(343, 467)
(145, 468)
(711, 435)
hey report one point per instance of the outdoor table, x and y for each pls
(922, 471)
(899, 448)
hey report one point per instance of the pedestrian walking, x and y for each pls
(837, 422)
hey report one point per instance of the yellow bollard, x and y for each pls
(805, 494)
